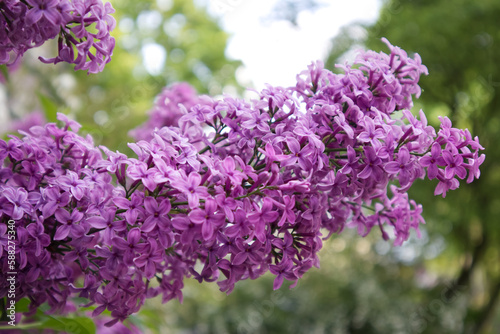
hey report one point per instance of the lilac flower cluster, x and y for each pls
(36, 117)
(82, 26)
(229, 191)
(173, 102)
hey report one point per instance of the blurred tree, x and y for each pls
(459, 42)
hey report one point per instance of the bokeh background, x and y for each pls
(446, 281)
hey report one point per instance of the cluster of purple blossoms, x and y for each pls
(229, 191)
(33, 118)
(173, 102)
(82, 26)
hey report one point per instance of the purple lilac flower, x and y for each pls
(370, 134)
(131, 245)
(73, 184)
(54, 199)
(454, 166)
(191, 187)
(69, 224)
(402, 166)
(246, 252)
(17, 201)
(139, 172)
(150, 258)
(46, 9)
(209, 220)
(155, 213)
(288, 206)
(30, 23)
(432, 161)
(282, 270)
(299, 155)
(41, 239)
(372, 166)
(133, 207)
(261, 217)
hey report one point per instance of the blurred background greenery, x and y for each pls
(447, 281)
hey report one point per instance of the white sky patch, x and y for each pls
(149, 20)
(153, 58)
(275, 52)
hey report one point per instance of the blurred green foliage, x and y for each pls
(42, 321)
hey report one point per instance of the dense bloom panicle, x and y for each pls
(170, 105)
(224, 190)
(82, 26)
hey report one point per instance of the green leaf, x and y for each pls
(49, 107)
(77, 325)
(22, 306)
(5, 72)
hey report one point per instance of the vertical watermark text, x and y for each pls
(10, 308)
